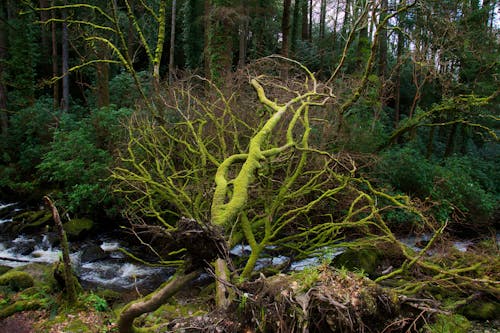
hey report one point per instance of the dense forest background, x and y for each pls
(416, 86)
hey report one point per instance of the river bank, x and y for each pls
(111, 279)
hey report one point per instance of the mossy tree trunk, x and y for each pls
(69, 278)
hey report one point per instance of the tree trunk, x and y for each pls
(172, 44)
(322, 20)
(243, 31)
(310, 20)
(382, 60)
(55, 71)
(69, 278)
(65, 61)
(102, 79)
(4, 118)
(296, 25)
(397, 75)
(305, 25)
(285, 27)
(159, 44)
(450, 144)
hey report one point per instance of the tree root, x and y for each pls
(18, 307)
(152, 302)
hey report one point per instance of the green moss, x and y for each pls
(449, 324)
(30, 220)
(77, 326)
(365, 260)
(482, 310)
(77, 227)
(17, 280)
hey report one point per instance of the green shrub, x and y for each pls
(464, 182)
(80, 158)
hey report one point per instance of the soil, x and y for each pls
(21, 322)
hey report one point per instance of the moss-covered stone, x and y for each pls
(365, 260)
(43, 274)
(29, 221)
(449, 324)
(482, 310)
(77, 228)
(17, 280)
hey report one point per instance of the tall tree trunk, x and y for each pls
(397, 75)
(159, 43)
(65, 61)
(450, 144)
(296, 25)
(172, 44)
(131, 35)
(4, 119)
(55, 65)
(243, 35)
(322, 19)
(102, 70)
(305, 22)
(285, 27)
(44, 17)
(382, 52)
(310, 20)
(335, 26)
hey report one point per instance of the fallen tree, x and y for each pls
(255, 180)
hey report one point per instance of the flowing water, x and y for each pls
(97, 263)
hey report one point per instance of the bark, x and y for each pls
(285, 27)
(4, 119)
(223, 295)
(69, 279)
(65, 63)
(159, 44)
(310, 19)
(296, 25)
(450, 144)
(305, 25)
(322, 20)
(382, 61)
(243, 39)
(44, 17)
(172, 44)
(55, 93)
(102, 84)
(152, 301)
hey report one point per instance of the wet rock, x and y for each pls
(27, 222)
(366, 260)
(77, 229)
(93, 253)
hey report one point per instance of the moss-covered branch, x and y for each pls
(152, 302)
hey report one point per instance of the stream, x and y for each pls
(98, 263)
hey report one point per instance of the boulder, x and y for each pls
(77, 228)
(93, 253)
(17, 280)
(365, 259)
